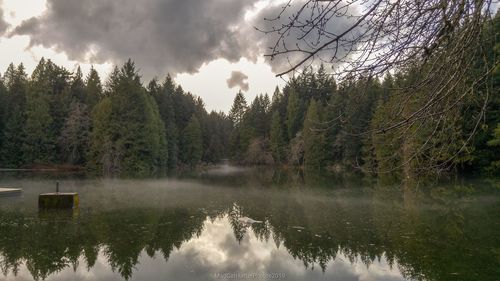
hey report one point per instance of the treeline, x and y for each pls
(369, 124)
(55, 117)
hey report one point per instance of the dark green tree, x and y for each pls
(294, 113)
(129, 135)
(75, 135)
(277, 139)
(93, 88)
(11, 149)
(192, 144)
(40, 136)
(238, 109)
(314, 138)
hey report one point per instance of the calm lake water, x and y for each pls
(199, 228)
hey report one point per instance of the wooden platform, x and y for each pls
(58, 200)
(10, 191)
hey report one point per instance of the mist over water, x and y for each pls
(190, 228)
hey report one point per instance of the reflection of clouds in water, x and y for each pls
(217, 251)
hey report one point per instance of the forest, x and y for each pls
(58, 118)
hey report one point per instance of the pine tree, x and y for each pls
(39, 144)
(11, 152)
(3, 109)
(278, 145)
(192, 144)
(314, 138)
(77, 86)
(75, 135)
(129, 135)
(294, 113)
(93, 89)
(166, 107)
(238, 109)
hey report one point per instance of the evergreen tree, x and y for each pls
(278, 145)
(495, 142)
(3, 109)
(75, 135)
(77, 86)
(314, 138)
(294, 113)
(93, 89)
(238, 109)
(166, 107)
(117, 145)
(192, 145)
(39, 143)
(11, 150)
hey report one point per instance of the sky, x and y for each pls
(210, 47)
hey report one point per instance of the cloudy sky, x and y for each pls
(209, 46)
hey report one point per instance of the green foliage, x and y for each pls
(192, 148)
(116, 144)
(58, 117)
(238, 109)
(93, 89)
(278, 145)
(495, 142)
(11, 152)
(294, 113)
(314, 138)
(75, 135)
(39, 144)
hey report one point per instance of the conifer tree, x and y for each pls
(238, 109)
(11, 150)
(39, 144)
(278, 145)
(192, 144)
(314, 138)
(93, 89)
(294, 113)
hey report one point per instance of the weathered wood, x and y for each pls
(58, 200)
(10, 191)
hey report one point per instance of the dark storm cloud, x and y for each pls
(238, 79)
(160, 35)
(3, 23)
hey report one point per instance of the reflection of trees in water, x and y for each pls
(49, 245)
(438, 235)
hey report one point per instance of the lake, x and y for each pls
(243, 224)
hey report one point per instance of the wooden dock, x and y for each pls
(10, 191)
(58, 200)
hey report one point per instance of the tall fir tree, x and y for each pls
(11, 151)
(294, 113)
(117, 145)
(93, 89)
(314, 138)
(192, 144)
(40, 137)
(277, 139)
